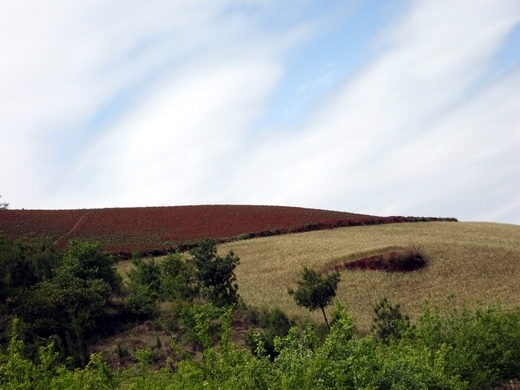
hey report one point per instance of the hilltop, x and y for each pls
(157, 230)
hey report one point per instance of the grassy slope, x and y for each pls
(471, 261)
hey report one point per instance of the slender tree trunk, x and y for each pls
(324, 316)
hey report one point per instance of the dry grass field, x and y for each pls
(469, 262)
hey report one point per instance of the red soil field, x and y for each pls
(159, 229)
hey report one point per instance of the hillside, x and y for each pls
(156, 320)
(156, 229)
(467, 262)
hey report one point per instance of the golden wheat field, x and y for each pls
(468, 262)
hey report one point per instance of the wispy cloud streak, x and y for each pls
(162, 103)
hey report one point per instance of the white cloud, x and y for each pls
(422, 129)
(403, 137)
(66, 63)
(184, 138)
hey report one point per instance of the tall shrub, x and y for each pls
(215, 274)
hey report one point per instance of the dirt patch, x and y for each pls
(394, 261)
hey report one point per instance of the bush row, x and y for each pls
(447, 348)
(188, 245)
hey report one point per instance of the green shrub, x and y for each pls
(200, 323)
(274, 323)
(140, 304)
(215, 274)
(483, 344)
(177, 278)
(146, 272)
(388, 322)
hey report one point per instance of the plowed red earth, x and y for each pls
(149, 229)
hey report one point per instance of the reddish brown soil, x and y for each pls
(158, 229)
(395, 261)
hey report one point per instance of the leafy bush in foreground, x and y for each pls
(274, 323)
(480, 345)
(448, 349)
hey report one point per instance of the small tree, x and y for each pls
(215, 275)
(315, 291)
(3, 205)
(144, 285)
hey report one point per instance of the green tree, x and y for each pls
(315, 291)
(144, 285)
(23, 264)
(146, 272)
(177, 278)
(215, 274)
(84, 260)
(58, 297)
(81, 288)
(69, 304)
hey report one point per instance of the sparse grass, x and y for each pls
(123, 267)
(120, 350)
(468, 262)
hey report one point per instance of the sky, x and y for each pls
(377, 107)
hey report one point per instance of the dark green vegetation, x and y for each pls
(57, 297)
(215, 274)
(55, 304)
(389, 323)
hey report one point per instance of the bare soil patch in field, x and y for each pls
(406, 260)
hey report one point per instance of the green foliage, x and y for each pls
(177, 278)
(58, 308)
(23, 264)
(84, 260)
(389, 323)
(63, 295)
(146, 272)
(448, 349)
(405, 366)
(274, 323)
(81, 287)
(215, 274)
(200, 323)
(141, 303)
(346, 362)
(487, 338)
(315, 291)
(18, 372)
(144, 286)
